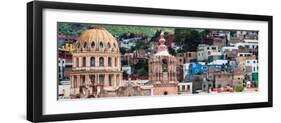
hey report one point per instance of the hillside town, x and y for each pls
(97, 63)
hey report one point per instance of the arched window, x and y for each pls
(115, 62)
(109, 62)
(164, 65)
(83, 79)
(93, 61)
(108, 45)
(114, 45)
(85, 45)
(74, 82)
(93, 44)
(101, 79)
(101, 45)
(110, 80)
(93, 78)
(84, 62)
(101, 60)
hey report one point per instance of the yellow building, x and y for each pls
(67, 47)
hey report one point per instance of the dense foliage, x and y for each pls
(71, 29)
(188, 38)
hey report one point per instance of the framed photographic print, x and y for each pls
(89, 61)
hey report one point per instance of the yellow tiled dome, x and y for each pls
(96, 38)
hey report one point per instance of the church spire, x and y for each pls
(162, 46)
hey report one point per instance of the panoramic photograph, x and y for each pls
(105, 61)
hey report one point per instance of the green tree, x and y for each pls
(141, 67)
(172, 51)
(189, 39)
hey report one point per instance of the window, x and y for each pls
(114, 45)
(197, 71)
(83, 79)
(101, 60)
(183, 87)
(92, 78)
(101, 79)
(101, 45)
(164, 65)
(110, 80)
(189, 54)
(115, 62)
(93, 61)
(85, 45)
(108, 45)
(84, 62)
(109, 62)
(93, 44)
(214, 48)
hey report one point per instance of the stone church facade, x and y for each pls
(162, 70)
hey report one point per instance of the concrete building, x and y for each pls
(185, 88)
(223, 79)
(204, 51)
(238, 78)
(197, 83)
(190, 57)
(253, 64)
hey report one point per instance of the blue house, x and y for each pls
(196, 68)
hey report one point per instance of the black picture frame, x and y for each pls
(35, 69)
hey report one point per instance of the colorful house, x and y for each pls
(204, 51)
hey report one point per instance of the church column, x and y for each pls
(78, 84)
(80, 61)
(97, 61)
(105, 61)
(88, 61)
(71, 81)
(120, 79)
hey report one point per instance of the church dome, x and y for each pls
(96, 38)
